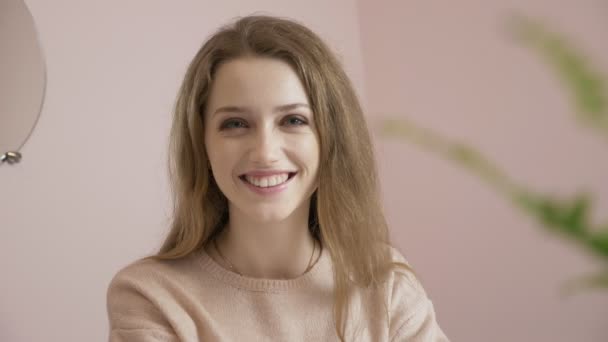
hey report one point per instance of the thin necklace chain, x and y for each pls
(233, 269)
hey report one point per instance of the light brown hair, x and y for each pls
(345, 212)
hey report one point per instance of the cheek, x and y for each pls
(214, 155)
(218, 159)
(308, 151)
(223, 158)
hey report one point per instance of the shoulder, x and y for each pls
(135, 281)
(145, 278)
(143, 271)
(405, 289)
(152, 268)
(411, 312)
(142, 295)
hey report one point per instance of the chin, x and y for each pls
(270, 217)
(270, 212)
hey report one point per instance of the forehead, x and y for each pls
(255, 82)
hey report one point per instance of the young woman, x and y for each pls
(278, 232)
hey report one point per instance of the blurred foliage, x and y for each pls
(586, 84)
(568, 217)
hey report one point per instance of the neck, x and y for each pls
(278, 250)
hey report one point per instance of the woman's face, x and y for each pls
(261, 140)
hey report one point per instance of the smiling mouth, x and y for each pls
(267, 182)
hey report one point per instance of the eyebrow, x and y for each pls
(283, 108)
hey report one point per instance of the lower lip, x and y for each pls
(271, 190)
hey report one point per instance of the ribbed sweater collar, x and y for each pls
(318, 272)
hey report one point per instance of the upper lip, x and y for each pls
(266, 173)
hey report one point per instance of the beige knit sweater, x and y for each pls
(195, 299)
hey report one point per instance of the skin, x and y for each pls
(267, 236)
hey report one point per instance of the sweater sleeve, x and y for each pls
(420, 326)
(413, 316)
(132, 316)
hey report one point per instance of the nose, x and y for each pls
(266, 146)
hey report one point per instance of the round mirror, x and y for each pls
(22, 78)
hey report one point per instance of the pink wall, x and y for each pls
(493, 274)
(90, 194)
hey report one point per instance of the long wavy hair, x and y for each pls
(345, 213)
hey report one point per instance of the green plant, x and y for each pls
(569, 217)
(585, 83)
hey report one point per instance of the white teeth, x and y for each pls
(265, 182)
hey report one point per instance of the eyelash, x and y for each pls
(225, 124)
